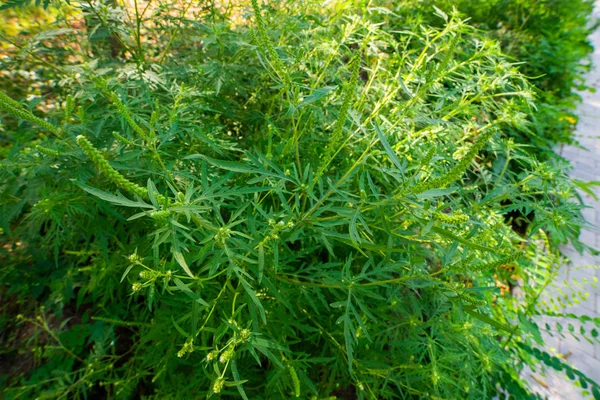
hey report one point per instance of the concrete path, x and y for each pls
(586, 166)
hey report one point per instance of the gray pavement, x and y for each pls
(586, 166)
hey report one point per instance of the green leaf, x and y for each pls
(16, 4)
(433, 193)
(250, 292)
(152, 192)
(441, 13)
(150, 297)
(349, 340)
(449, 235)
(181, 261)
(269, 355)
(388, 149)
(179, 329)
(185, 289)
(226, 165)
(484, 318)
(125, 273)
(236, 376)
(316, 95)
(261, 262)
(532, 328)
(349, 331)
(587, 187)
(240, 168)
(271, 345)
(117, 199)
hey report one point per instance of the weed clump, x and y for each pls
(314, 203)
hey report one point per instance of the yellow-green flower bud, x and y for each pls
(154, 116)
(162, 215)
(245, 335)
(123, 139)
(148, 275)
(188, 347)
(226, 355)
(69, 107)
(265, 45)
(16, 109)
(463, 263)
(218, 385)
(295, 380)
(495, 264)
(8, 100)
(459, 169)
(134, 258)
(467, 298)
(81, 114)
(120, 106)
(108, 171)
(47, 151)
(212, 355)
(428, 157)
(452, 219)
(122, 109)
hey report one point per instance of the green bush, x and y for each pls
(287, 201)
(549, 41)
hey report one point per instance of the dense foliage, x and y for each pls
(282, 200)
(549, 40)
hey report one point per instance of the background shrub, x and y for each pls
(549, 40)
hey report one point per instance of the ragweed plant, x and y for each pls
(317, 210)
